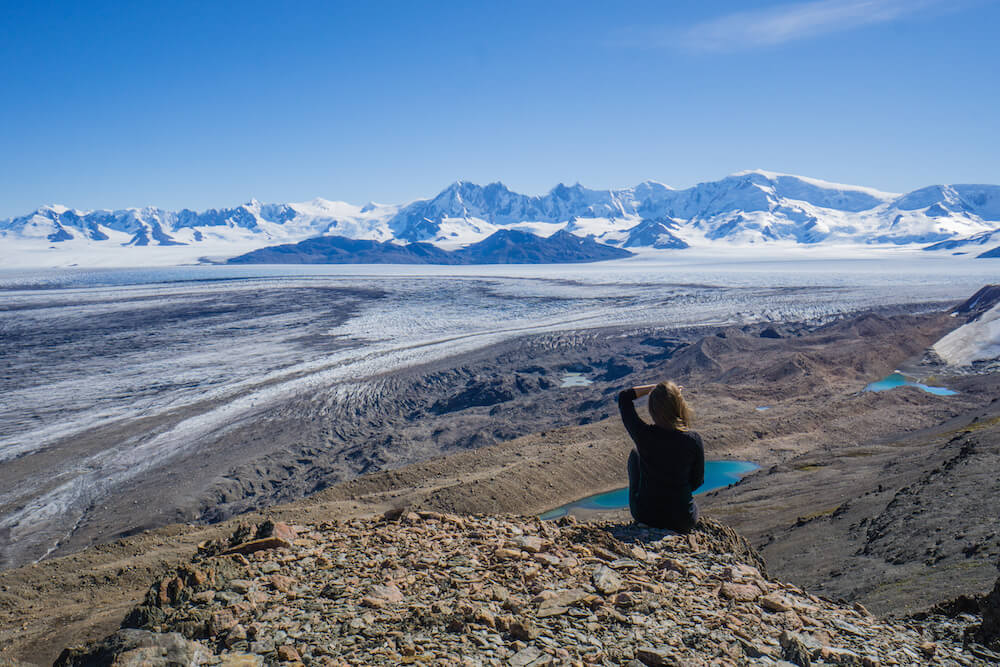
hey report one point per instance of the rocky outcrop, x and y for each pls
(139, 648)
(432, 588)
(980, 302)
(988, 631)
(980, 640)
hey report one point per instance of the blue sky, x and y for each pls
(108, 105)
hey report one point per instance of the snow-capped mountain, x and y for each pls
(750, 207)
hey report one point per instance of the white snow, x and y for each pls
(975, 341)
(878, 194)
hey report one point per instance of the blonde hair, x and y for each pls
(668, 408)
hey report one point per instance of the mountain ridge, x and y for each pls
(502, 247)
(745, 208)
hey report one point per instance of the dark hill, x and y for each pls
(509, 246)
(502, 247)
(656, 234)
(342, 250)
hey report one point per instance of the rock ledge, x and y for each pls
(431, 588)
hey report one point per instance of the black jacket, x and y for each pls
(672, 466)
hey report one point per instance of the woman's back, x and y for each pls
(668, 466)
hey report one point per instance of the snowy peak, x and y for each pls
(816, 185)
(982, 201)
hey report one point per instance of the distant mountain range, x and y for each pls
(507, 246)
(747, 208)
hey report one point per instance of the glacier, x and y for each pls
(743, 210)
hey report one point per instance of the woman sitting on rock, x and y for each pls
(668, 462)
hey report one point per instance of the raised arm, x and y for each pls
(633, 424)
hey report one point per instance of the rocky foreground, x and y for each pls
(432, 588)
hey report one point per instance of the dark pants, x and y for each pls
(654, 516)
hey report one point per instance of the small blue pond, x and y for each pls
(718, 474)
(897, 379)
(575, 380)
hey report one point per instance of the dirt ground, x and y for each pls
(822, 444)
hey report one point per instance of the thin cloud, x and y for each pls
(788, 22)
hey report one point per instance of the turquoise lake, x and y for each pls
(897, 379)
(718, 474)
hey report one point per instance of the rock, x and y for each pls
(137, 648)
(357, 624)
(623, 599)
(740, 572)
(277, 529)
(840, 656)
(257, 596)
(547, 559)
(739, 592)
(604, 554)
(228, 597)
(332, 591)
(484, 616)
(523, 629)
(774, 602)
(546, 610)
(169, 590)
(221, 621)
(606, 580)
(388, 592)
(288, 654)
(674, 565)
(752, 650)
(561, 601)
(928, 649)
(203, 597)
(530, 543)
(235, 635)
(849, 628)
(440, 608)
(498, 593)
(788, 620)
(281, 582)
(988, 632)
(794, 650)
(241, 660)
(507, 554)
(984, 653)
(262, 646)
(258, 545)
(241, 585)
(653, 657)
(526, 656)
